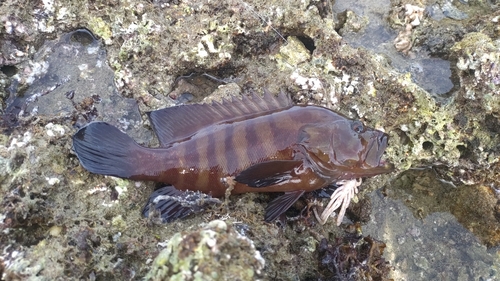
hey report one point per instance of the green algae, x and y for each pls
(293, 53)
(100, 28)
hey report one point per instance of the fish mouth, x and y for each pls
(373, 161)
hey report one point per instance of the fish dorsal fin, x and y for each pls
(174, 124)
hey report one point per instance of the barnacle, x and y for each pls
(403, 42)
(413, 16)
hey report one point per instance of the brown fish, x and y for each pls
(251, 145)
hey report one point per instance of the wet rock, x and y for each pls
(352, 258)
(452, 12)
(444, 242)
(69, 78)
(477, 208)
(478, 62)
(151, 44)
(351, 22)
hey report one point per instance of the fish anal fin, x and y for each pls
(268, 173)
(281, 204)
(174, 124)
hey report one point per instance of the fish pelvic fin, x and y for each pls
(169, 204)
(104, 149)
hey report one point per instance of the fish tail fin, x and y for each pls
(104, 149)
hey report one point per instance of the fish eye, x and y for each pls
(358, 127)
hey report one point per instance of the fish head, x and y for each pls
(357, 150)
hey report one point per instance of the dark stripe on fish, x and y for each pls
(265, 138)
(253, 151)
(231, 155)
(202, 150)
(220, 150)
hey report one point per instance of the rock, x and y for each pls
(213, 252)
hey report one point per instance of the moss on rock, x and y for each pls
(213, 252)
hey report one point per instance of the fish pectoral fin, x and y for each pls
(171, 204)
(281, 204)
(268, 173)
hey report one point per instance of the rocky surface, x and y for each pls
(63, 64)
(215, 252)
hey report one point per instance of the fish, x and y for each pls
(249, 144)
